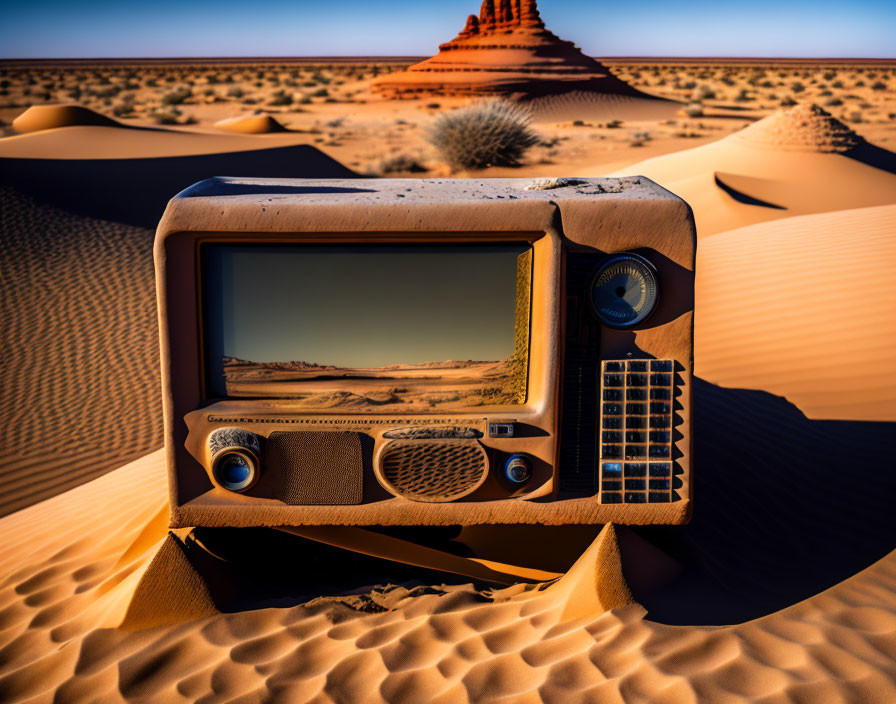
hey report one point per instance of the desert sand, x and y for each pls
(824, 275)
(783, 588)
(65, 592)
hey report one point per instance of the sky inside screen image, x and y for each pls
(230, 28)
(357, 306)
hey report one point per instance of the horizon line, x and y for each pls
(400, 57)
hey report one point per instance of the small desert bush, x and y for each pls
(693, 110)
(165, 116)
(280, 97)
(703, 93)
(124, 107)
(489, 133)
(176, 97)
(402, 164)
(879, 85)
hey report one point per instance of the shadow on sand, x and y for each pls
(135, 191)
(784, 508)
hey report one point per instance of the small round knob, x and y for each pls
(235, 470)
(518, 468)
(235, 455)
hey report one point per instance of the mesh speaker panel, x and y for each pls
(317, 468)
(433, 470)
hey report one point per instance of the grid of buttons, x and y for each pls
(636, 431)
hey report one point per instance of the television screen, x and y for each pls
(361, 328)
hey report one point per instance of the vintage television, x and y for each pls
(427, 352)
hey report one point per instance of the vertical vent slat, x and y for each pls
(577, 470)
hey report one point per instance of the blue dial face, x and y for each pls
(234, 471)
(624, 291)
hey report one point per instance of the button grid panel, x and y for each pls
(636, 431)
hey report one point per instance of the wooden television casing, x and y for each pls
(567, 222)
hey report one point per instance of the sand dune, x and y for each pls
(121, 142)
(793, 162)
(64, 588)
(47, 117)
(255, 123)
(825, 276)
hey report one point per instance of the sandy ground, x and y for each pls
(794, 400)
(65, 589)
(823, 275)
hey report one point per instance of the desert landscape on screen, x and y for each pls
(781, 589)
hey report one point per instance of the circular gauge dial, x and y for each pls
(624, 291)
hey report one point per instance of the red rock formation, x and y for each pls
(505, 51)
(471, 28)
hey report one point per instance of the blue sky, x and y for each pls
(151, 28)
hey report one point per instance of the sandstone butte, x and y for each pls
(506, 50)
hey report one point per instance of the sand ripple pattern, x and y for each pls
(60, 575)
(79, 377)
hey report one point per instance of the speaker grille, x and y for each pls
(316, 468)
(433, 470)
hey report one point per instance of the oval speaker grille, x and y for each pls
(433, 470)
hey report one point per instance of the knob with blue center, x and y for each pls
(518, 468)
(235, 458)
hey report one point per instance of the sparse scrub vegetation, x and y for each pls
(281, 97)
(703, 92)
(490, 133)
(165, 116)
(176, 97)
(402, 163)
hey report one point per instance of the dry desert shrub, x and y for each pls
(488, 133)
(401, 163)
